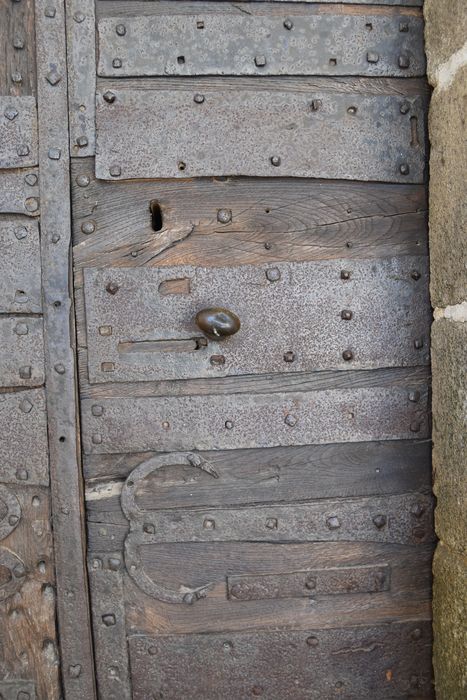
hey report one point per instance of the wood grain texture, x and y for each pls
(17, 48)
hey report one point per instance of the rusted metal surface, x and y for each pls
(17, 690)
(21, 351)
(388, 661)
(18, 132)
(246, 420)
(137, 330)
(81, 58)
(19, 192)
(246, 44)
(72, 594)
(20, 267)
(157, 133)
(310, 583)
(24, 453)
(108, 613)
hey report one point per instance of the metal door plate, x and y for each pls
(21, 351)
(18, 132)
(20, 267)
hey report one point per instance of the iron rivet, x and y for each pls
(315, 105)
(117, 63)
(115, 171)
(21, 232)
(31, 179)
(257, 690)
(19, 570)
(288, 24)
(352, 110)
(25, 372)
(414, 396)
(152, 651)
(21, 297)
(21, 329)
(347, 355)
(120, 29)
(97, 410)
(11, 113)
(189, 598)
(109, 96)
(345, 275)
(114, 563)
(310, 583)
(54, 153)
(260, 61)
(312, 641)
(105, 330)
(228, 424)
(16, 77)
(22, 474)
(49, 12)
(224, 216)
(59, 368)
(55, 238)
(112, 288)
(79, 17)
(149, 528)
(228, 646)
(273, 274)
(22, 150)
(403, 26)
(83, 180)
(404, 108)
(418, 533)
(404, 61)
(199, 99)
(96, 439)
(107, 366)
(418, 343)
(217, 360)
(372, 57)
(333, 522)
(290, 420)
(417, 510)
(18, 43)
(379, 521)
(415, 275)
(165, 425)
(31, 204)
(346, 315)
(25, 406)
(268, 245)
(209, 524)
(74, 670)
(276, 161)
(289, 356)
(404, 169)
(88, 227)
(109, 620)
(82, 141)
(271, 523)
(53, 77)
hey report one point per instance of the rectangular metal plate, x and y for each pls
(18, 132)
(19, 192)
(233, 421)
(17, 690)
(291, 318)
(156, 133)
(20, 267)
(312, 582)
(356, 663)
(404, 519)
(23, 437)
(247, 44)
(21, 351)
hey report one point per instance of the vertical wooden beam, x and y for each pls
(65, 468)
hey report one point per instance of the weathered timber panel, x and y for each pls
(17, 47)
(21, 351)
(216, 43)
(390, 661)
(236, 421)
(19, 192)
(23, 447)
(20, 267)
(18, 132)
(157, 133)
(369, 314)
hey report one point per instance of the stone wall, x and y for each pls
(446, 47)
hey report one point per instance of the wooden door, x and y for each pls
(258, 491)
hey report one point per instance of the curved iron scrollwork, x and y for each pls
(16, 572)
(141, 532)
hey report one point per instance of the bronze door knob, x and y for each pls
(217, 323)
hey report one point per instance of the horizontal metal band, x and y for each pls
(219, 43)
(159, 133)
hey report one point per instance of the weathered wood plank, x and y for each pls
(81, 63)
(17, 47)
(20, 267)
(18, 132)
(218, 43)
(155, 133)
(23, 437)
(21, 351)
(29, 656)
(72, 594)
(19, 192)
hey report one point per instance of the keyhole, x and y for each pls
(156, 215)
